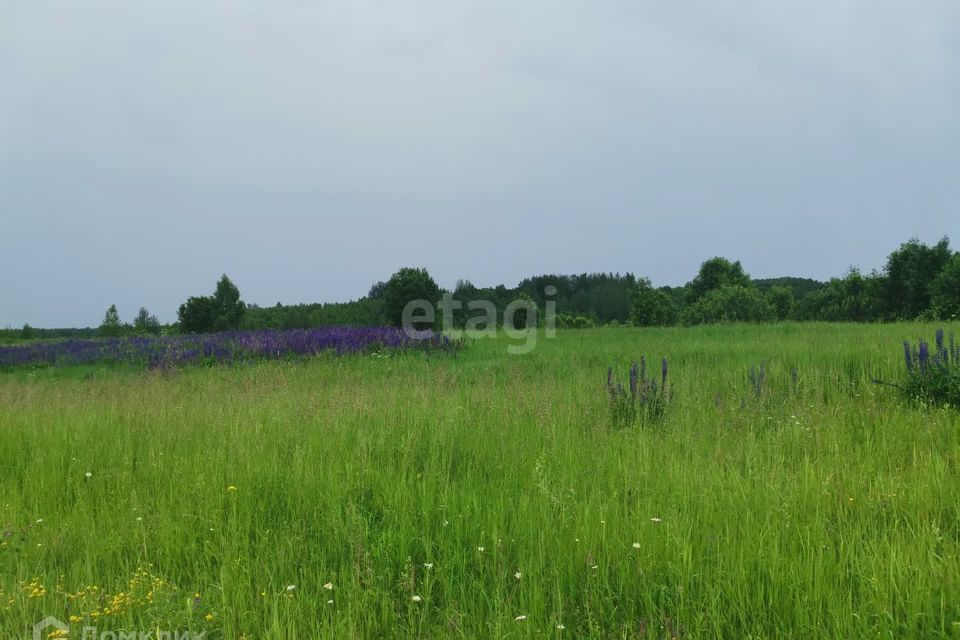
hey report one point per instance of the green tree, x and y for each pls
(28, 332)
(652, 307)
(376, 290)
(945, 291)
(197, 315)
(729, 303)
(782, 301)
(229, 308)
(145, 322)
(111, 326)
(910, 273)
(405, 286)
(222, 311)
(714, 274)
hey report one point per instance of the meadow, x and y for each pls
(476, 494)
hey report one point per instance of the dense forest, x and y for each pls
(918, 281)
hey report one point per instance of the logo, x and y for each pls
(58, 626)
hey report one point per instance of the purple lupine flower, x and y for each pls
(663, 372)
(161, 351)
(907, 356)
(794, 375)
(923, 356)
(633, 381)
(939, 340)
(610, 378)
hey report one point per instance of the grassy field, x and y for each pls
(484, 495)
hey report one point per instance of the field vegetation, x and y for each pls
(475, 494)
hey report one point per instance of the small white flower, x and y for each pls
(561, 627)
(518, 575)
(139, 519)
(446, 522)
(328, 586)
(88, 475)
(40, 520)
(636, 545)
(655, 520)
(428, 565)
(416, 598)
(291, 587)
(329, 601)
(520, 618)
(595, 567)
(480, 549)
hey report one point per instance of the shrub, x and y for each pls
(582, 322)
(945, 290)
(652, 307)
(729, 303)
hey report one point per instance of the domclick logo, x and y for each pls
(519, 320)
(61, 629)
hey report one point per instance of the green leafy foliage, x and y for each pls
(405, 286)
(781, 300)
(729, 303)
(933, 375)
(111, 327)
(652, 307)
(146, 323)
(945, 291)
(714, 274)
(223, 311)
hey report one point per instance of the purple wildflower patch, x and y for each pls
(231, 346)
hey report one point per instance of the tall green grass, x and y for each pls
(823, 510)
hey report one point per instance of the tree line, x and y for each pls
(917, 282)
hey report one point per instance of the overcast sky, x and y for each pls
(310, 148)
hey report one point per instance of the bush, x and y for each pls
(945, 291)
(582, 322)
(652, 307)
(729, 303)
